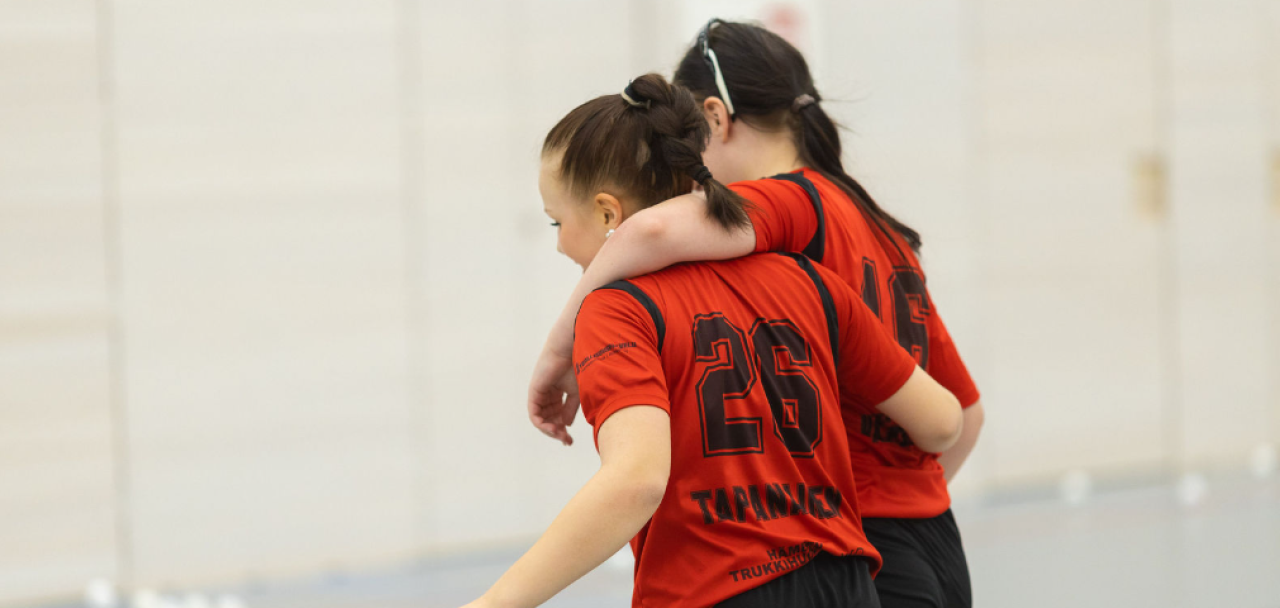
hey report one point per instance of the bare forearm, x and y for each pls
(674, 231)
(955, 457)
(597, 522)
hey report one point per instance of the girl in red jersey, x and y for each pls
(766, 119)
(712, 390)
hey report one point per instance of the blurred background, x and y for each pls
(273, 275)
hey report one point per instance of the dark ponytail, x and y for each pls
(648, 142)
(770, 86)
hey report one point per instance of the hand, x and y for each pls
(553, 395)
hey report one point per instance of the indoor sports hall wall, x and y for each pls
(273, 272)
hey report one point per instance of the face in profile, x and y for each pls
(581, 225)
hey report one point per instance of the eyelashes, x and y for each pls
(555, 224)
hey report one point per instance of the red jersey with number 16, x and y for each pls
(804, 212)
(743, 357)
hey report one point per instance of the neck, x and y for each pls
(771, 154)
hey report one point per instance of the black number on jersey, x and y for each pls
(911, 306)
(729, 378)
(781, 355)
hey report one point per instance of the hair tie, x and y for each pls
(634, 99)
(700, 174)
(802, 102)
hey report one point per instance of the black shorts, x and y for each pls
(826, 581)
(924, 563)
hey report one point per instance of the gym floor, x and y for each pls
(1201, 543)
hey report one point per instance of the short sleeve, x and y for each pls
(945, 364)
(781, 214)
(872, 365)
(616, 358)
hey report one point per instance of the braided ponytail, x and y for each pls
(648, 142)
(680, 135)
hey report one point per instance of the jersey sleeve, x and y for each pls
(616, 358)
(781, 214)
(945, 364)
(872, 366)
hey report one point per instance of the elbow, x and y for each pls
(645, 493)
(650, 495)
(945, 429)
(647, 228)
(641, 488)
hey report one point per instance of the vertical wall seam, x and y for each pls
(976, 181)
(112, 245)
(412, 197)
(1267, 68)
(1170, 339)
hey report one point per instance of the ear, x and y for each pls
(717, 116)
(608, 210)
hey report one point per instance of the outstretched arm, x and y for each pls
(635, 461)
(674, 231)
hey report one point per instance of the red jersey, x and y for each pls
(806, 213)
(743, 356)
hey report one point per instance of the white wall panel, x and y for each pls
(56, 493)
(1070, 267)
(56, 503)
(1219, 161)
(495, 280)
(264, 294)
(1271, 272)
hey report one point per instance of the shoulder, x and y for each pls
(756, 266)
(780, 272)
(769, 190)
(630, 303)
(830, 287)
(628, 295)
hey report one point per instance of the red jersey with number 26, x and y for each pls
(804, 212)
(743, 357)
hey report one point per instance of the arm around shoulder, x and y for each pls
(673, 231)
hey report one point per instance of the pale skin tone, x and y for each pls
(635, 442)
(678, 230)
(952, 459)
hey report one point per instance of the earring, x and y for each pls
(609, 233)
